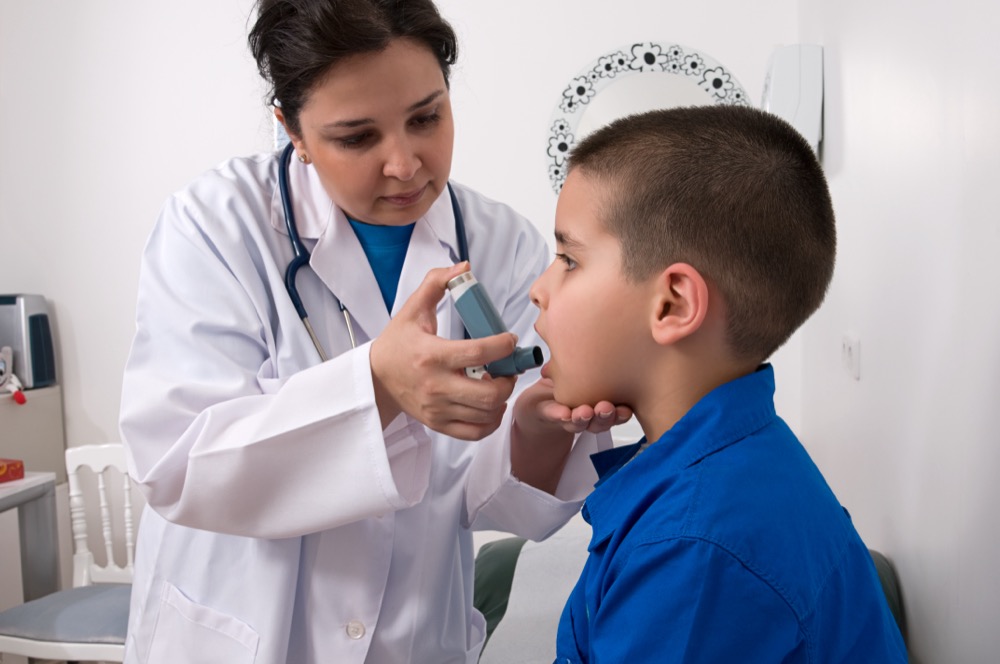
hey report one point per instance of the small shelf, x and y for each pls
(34, 432)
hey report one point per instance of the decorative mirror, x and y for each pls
(672, 75)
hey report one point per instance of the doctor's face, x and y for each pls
(379, 131)
(595, 322)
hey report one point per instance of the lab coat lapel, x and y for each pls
(431, 246)
(341, 263)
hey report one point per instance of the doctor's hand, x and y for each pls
(544, 429)
(419, 373)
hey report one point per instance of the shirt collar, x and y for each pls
(724, 416)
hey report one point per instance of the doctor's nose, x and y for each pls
(401, 161)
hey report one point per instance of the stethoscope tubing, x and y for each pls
(300, 258)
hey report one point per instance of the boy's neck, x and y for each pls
(680, 382)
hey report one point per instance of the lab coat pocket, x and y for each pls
(195, 634)
(477, 637)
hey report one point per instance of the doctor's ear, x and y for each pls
(681, 303)
(300, 148)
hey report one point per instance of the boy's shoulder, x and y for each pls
(757, 497)
(749, 534)
(733, 475)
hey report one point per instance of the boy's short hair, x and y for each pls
(735, 192)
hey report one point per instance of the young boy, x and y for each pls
(692, 243)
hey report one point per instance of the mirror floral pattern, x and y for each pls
(642, 57)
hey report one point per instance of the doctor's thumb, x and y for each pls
(434, 285)
(422, 303)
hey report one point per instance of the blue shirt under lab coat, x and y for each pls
(722, 542)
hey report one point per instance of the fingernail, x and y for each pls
(604, 416)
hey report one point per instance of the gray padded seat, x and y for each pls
(89, 614)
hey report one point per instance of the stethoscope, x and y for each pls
(301, 256)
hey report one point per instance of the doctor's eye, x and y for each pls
(567, 261)
(427, 120)
(355, 140)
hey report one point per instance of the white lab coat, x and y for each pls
(283, 524)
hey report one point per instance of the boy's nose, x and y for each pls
(536, 293)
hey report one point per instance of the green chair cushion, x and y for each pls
(494, 574)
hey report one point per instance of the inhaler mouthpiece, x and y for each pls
(481, 319)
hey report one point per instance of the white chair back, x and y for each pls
(107, 462)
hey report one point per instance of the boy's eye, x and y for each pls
(569, 262)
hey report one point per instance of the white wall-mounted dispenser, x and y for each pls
(793, 89)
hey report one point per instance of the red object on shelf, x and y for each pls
(11, 469)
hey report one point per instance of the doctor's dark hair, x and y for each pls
(736, 193)
(296, 42)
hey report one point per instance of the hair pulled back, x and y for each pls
(296, 42)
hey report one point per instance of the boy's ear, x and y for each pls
(681, 304)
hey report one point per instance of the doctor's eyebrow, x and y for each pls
(425, 101)
(350, 124)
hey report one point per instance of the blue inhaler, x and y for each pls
(481, 319)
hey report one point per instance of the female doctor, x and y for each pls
(302, 510)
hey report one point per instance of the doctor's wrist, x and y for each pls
(388, 407)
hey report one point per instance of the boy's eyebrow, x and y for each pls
(566, 240)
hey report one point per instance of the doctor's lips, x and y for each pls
(406, 198)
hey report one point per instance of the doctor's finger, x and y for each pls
(463, 353)
(476, 406)
(451, 389)
(468, 414)
(471, 431)
(487, 393)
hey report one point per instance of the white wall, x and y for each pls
(913, 155)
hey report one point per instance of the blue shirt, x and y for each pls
(722, 542)
(385, 247)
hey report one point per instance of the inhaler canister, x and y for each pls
(481, 319)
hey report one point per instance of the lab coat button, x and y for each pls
(355, 629)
